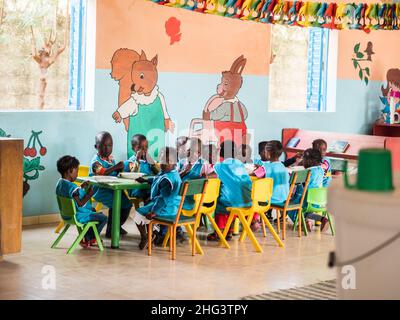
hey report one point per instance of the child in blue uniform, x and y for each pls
(103, 164)
(141, 162)
(191, 167)
(164, 194)
(312, 160)
(180, 147)
(235, 186)
(67, 166)
(262, 152)
(322, 147)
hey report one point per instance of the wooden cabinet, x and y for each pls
(11, 179)
(387, 130)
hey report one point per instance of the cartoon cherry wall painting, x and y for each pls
(32, 151)
(173, 30)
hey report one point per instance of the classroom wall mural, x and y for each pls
(362, 60)
(141, 106)
(173, 30)
(224, 115)
(391, 97)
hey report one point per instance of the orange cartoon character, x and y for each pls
(141, 106)
(172, 29)
(224, 114)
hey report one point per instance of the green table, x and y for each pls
(118, 186)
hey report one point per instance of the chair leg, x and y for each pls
(60, 236)
(303, 221)
(278, 219)
(331, 226)
(166, 238)
(171, 239)
(284, 224)
(149, 237)
(299, 221)
(98, 239)
(59, 227)
(218, 231)
(263, 224)
(78, 239)
(228, 224)
(244, 233)
(249, 232)
(174, 242)
(196, 242)
(295, 223)
(271, 229)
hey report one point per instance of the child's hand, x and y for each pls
(120, 165)
(141, 180)
(85, 185)
(298, 155)
(150, 215)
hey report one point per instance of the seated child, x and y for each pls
(210, 154)
(262, 152)
(322, 147)
(245, 154)
(67, 166)
(273, 168)
(312, 161)
(140, 161)
(164, 195)
(180, 147)
(276, 170)
(191, 167)
(103, 163)
(235, 186)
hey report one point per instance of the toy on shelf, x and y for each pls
(391, 97)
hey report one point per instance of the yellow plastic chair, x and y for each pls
(261, 191)
(189, 188)
(207, 208)
(83, 171)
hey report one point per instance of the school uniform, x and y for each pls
(278, 172)
(326, 166)
(194, 173)
(164, 197)
(98, 166)
(144, 167)
(235, 188)
(85, 213)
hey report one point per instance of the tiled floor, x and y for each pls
(129, 273)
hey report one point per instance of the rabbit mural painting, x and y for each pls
(141, 106)
(224, 115)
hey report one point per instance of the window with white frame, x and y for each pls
(43, 48)
(298, 69)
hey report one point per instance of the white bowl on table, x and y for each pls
(131, 175)
(105, 179)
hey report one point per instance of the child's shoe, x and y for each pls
(309, 225)
(93, 243)
(84, 244)
(255, 226)
(180, 236)
(213, 237)
(324, 224)
(229, 236)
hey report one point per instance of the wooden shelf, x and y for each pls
(385, 129)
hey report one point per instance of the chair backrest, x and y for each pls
(212, 191)
(261, 194)
(317, 196)
(297, 178)
(191, 188)
(301, 176)
(67, 208)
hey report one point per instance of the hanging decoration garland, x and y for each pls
(339, 16)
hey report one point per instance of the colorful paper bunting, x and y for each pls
(339, 16)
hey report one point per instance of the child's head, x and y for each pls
(228, 149)
(321, 146)
(274, 150)
(311, 158)
(168, 159)
(194, 148)
(210, 153)
(104, 143)
(68, 166)
(139, 142)
(246, 152)
(180, 146)
(262, 150)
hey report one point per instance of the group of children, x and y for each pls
(190, 159)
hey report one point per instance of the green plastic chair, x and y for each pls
(68, 214)
(316, 203)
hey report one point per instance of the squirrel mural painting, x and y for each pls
(141, 106)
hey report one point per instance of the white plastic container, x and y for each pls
(363, 221)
